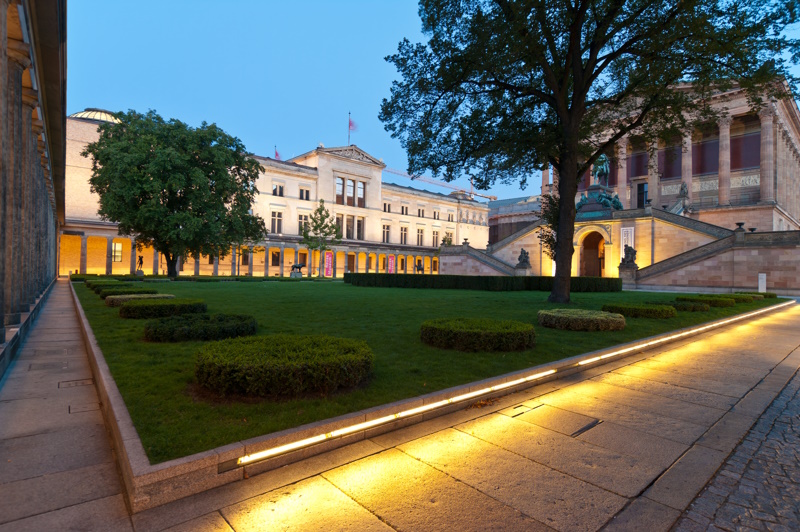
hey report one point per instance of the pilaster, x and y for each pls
(653, 178)
(4, 163)
(233, 262)
(767, 116)
(109, 254)
(686, 165)
(250, 260)
(196, 266)
(622, 172)
(133, 256)
(215, 273)
(156, 262)
(724, 172)
(84, 239)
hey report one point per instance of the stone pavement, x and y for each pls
(758, 487)
(623, 446)
(57, 470)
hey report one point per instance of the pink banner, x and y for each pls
(391, 263)
(328, 263)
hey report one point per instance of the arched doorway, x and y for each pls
(593, 255)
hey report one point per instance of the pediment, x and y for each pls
(352, 152)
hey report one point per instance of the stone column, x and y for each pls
(546, 180)
(109, 254)
(196, 267)
(133, 256)
(622, 172)
(250, 260)
(282, 251)
(84, 238)
(233, 261)
(686, 164)
(767, 186)
(724, 174)
(18, 61)
(4, 163)
(215, 273)
(356, 262)
(653, 178)
(155, 263)
(27, 263)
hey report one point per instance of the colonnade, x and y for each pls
(28, 236)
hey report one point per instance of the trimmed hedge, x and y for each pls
(710, 301)
(118, 301)
(160, 308)
(480, 282)
(125, 292)
(477, 334)
(685, 306)
(92, 283)
(199, 327)
(283, 365)
(569, 319)
(99, 287)
(765, 295)
(739, 298)
(641, 311)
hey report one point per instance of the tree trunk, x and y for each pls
(567, 188)
(321, 272)
(172, 265)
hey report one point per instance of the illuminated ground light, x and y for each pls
(300, 444)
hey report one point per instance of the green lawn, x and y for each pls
(157, 380)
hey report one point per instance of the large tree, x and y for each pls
(183, 191)
(504, 87)
(320, 233)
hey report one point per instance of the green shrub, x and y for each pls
(710, 301)
(157, 280)
(160, 308)
(480, 282)
(81, 277)
(118, 301)
(641, 311)
(765, 295)
(569, 319)
(99, 287)
(739, 298)
(205, 279)
(283, 365)
(125, 292)
(248, 279)
(199, 327)
(477, 334)
(684, 306)
(91, 283)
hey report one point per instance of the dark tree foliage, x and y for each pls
(181, 190)
(549, 227)
(505, 87)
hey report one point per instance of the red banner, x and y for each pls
(328, 263)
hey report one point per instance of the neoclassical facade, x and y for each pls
(685, 208)
(32, 96)
(385, 227)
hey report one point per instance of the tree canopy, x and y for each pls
(183, 191)
(320, 233)
(503, 88)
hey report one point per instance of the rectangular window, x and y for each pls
(369, 262)
(349, 229)
(420, 237)
(339, 191)
(305, 194)
(303, 258)
(404, 210)
(340, 223)
(435, 215)
(386, 233)
(401, 263)
(360, 223)
(361, 188)
(404, 235)
(277, 222)
(436, 266)
(275, 258)
(211, 259)
(436, 239)
(387, 207)
(302, 221)
(351, 193)
(245, 257)
(641, 195)
(449, 237)
(277, 190)
(116, 249)
(421, 213)
(450, 217)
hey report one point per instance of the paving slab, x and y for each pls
(687, 395)
(679, 485)
(621, 439)
(213, 522)
(694, 381)
(644, 514)
(107, 514)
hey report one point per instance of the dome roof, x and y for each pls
(98, 115)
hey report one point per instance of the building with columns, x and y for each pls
(32, 122)
(714, 209)
(385, 227)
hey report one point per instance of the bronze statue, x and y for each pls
(630, 255)
(601, 170)
(524, 260)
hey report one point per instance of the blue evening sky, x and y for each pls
(272, 73)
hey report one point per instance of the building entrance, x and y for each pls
(593, 253)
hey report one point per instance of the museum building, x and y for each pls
(714, 209)
(385, 227)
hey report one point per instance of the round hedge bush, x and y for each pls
(283, 365)
(570, 319)
(188, 327)
(641, 311)
(477, 334)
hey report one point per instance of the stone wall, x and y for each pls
(762, 217)
(464, 265)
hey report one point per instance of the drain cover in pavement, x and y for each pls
(47, 365)
(72, 384)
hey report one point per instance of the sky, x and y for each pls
(276, 74)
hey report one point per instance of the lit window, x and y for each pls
(116, 252)
(275, 258)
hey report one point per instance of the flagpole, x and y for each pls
(348, 128)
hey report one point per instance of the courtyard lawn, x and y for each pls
(175, 418)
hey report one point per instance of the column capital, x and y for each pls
(724, 121)
(19, 52)
(767, 113)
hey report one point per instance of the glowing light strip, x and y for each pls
(275, 451)
(293, 446)
(684, 333)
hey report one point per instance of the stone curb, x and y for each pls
(148, 486)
